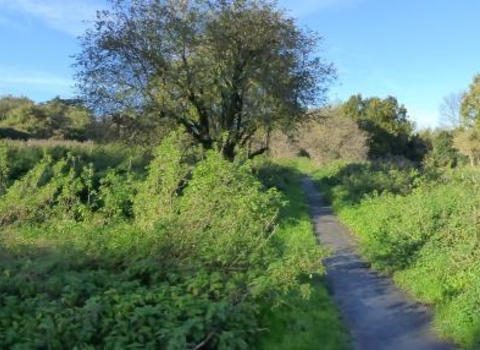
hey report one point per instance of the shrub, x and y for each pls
(328, 139)
(184, 257)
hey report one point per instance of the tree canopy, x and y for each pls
(443, 152)
(470, 106)
(386, 122)
(223, 69)
(467, 136)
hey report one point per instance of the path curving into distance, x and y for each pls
(378, 314)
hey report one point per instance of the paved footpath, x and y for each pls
(378, 314)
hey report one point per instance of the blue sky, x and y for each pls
(416, 50)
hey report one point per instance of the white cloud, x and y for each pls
(64, 15)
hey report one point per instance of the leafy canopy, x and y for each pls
(385, 120)
(470, 106)
(467, 137)
(226, 70)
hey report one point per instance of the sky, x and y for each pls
(418, 51)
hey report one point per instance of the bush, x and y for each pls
(325, 140)
(346, 184)
(186, 257)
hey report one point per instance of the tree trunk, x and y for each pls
(228, 151)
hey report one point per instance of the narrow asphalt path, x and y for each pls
(378, 314)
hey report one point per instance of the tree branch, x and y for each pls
(258, 152)
(192, 97)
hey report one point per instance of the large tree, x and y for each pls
(470, 105)
(467, 141)
(467, 137)
(224, 69)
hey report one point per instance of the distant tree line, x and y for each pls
(22, 118)
(70, 119)
(354, 130)
(382, 128)
(231, 74)
(357, 129)
(458, 141)
(390, 131)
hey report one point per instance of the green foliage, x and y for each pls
(4, 168)
(347, 184)
(21, 118)
(470, 105)
(427, 237)
(115, 195)
(131, 129)
(224, 70)
(305, 323)
(388, 126)
(467, 141)
(189, 256)
(467, 137)
(23, 156)
(13, 134)
(443, 152)
(167, 174)
(29, 198)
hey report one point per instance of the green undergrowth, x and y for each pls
(423, 227)
(297, 322)
(22, 156)
(193, 252)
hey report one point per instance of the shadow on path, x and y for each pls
(378, 314)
